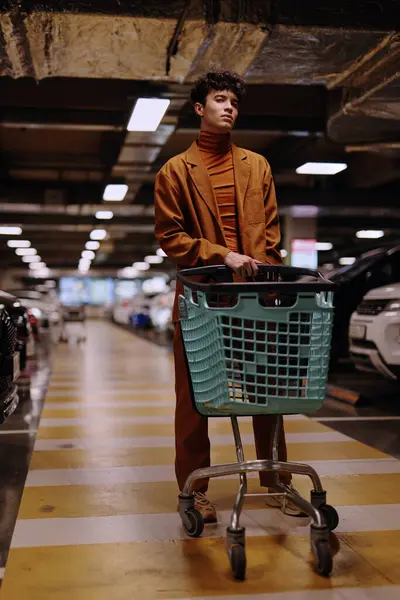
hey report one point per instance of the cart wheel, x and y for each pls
(323, 557)
(330, 516)
(237, 557)
(193, 522)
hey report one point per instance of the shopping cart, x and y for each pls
(253, 348)
(74, 324)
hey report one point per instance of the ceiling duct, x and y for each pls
(369, 101)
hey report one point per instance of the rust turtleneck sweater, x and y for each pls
(216, 152)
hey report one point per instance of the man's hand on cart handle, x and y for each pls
(242, 265)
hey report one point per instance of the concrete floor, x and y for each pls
(98, 514)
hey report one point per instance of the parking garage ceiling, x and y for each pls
(324, 85)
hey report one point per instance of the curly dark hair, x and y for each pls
(217, 80)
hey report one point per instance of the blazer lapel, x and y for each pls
(241, 169)
(201, 180)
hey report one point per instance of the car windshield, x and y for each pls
(361, 264)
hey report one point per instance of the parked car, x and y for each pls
(20, 317)
(122, 311)
(140, 315)
(45, 308)
(74, 319)
(34, 323)
(380, 267)
(9, 365)
(374, 332)
(161, 311)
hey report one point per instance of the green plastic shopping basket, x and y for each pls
(257, 347)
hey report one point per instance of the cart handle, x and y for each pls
(224, 284)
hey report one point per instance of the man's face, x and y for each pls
(220, 111)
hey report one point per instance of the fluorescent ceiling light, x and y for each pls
(321, 168)
(89, 254)
(25, 251)
(160, 252)
(347, 260)
(18, 243)
(284, 253)
(10, 230)
(128, 273)
(322, 246)
(304, 211)
(147, 114)
(45, 272)
(372, 234)
(115, 192)
(37, 265)
(154, 260)
(104, 214)
(31, 259)
(98, 234)
(141, 266)
(92, 245)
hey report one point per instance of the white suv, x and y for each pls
(375, 332)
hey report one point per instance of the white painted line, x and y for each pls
(84, 379)
(169, 441)
(107, 404)
(162, 527)
(92, 422)
(108, 420)
(369, 517)
(106, 530)
(158, 473)
(396, 418)
(2, 571)
(17, 431)
(372, 593)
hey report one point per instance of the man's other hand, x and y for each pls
(242, 265)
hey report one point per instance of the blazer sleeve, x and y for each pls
(179, 246)
(272, 227)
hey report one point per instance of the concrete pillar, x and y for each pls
(297, 228)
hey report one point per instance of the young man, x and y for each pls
(215, 204)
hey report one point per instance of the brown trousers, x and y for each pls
(192, 443)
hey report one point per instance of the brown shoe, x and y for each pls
(205, 507)
(285, 504)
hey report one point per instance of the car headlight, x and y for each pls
(393, 305)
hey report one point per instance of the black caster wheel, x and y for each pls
(193, 522)
(330, 516)
(237, 557)
(323, 557)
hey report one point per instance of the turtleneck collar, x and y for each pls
(214, 143)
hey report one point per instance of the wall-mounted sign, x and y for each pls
(304, 254)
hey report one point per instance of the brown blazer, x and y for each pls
(187, 222)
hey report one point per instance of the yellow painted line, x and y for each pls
(85, 411)
(191, 568)
(106, 457)
(111, 386)
(380, 550)
(102, 427)
(161, 497)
